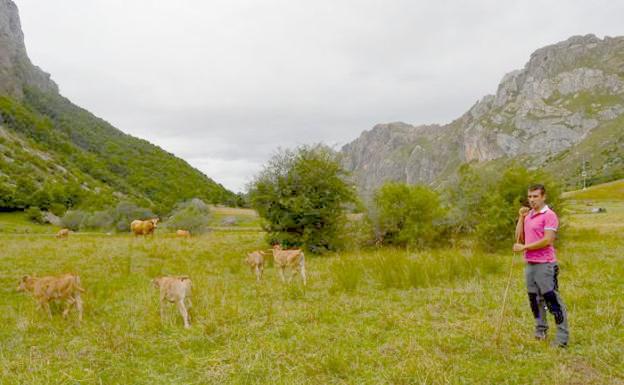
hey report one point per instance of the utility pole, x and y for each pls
(584, 174)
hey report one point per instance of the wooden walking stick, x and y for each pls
(502, 313)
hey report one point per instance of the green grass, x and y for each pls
(17, 223)
(381, 316)
(245, 218)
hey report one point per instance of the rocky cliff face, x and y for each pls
(16, 70)
(565, 93)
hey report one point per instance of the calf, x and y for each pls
(178, 291)
(183, 234)
(295, 259)
(62, 233)
(65, 288)
(255, 260)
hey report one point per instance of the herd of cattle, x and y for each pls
(66, 288)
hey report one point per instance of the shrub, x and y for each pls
(484, 202)
(193, 215)
(99, 220)
(58, 209)
(73, 219)
(409, 215)
(34, 214)
(125, 212)
(302, 195)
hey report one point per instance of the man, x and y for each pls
(535, 232)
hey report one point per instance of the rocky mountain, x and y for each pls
(564, 107)
(53, 152)
(16, 70)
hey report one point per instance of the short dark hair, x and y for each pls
(538, 186)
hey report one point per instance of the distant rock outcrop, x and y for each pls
(570, 94)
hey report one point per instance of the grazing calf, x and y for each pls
(62, 233)
(139, 227)
(183, 234)
(65, 288)
(255, 260)
(295, 259)
(178, 291)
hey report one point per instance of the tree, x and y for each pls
(302, 194)
(409, 214)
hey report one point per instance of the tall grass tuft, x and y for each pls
(390, 268)
(346, 274)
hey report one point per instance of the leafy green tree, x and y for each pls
(302, 194)
(409, 215)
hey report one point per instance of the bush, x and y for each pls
(193, 216)
(485, 202)
(125, 212)
(302, 195)
(57, 209)
(99, 220)
(357, 232)
(34, 214)
(73, 219)
(409, 215)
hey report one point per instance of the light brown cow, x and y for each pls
(255, 260)
(62, 233)
(294, 258)
(183, 234)
(178, 291)
(65, 288)
(139, 227)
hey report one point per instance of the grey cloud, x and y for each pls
(223, 83)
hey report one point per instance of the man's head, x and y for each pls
(537, 196)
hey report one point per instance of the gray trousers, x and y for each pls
(543, 288)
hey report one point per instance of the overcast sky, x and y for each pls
(222, 84)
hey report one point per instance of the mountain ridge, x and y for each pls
(566, 93)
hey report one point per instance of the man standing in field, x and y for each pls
(535, 231)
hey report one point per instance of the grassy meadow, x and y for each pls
(378, 316)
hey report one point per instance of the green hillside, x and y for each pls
(612, 191)
(53, 152)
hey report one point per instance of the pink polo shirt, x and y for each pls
(535, 224)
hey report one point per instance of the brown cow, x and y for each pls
(255, 260)
(65, 288)
(177, 290)
(183, 234)
(62, 233)
(139, 227)
(295, 259)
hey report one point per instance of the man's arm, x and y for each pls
(523, 212)
(548, 239)
(520, 230)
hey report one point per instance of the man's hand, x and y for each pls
(523, 212)
(517, 247)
